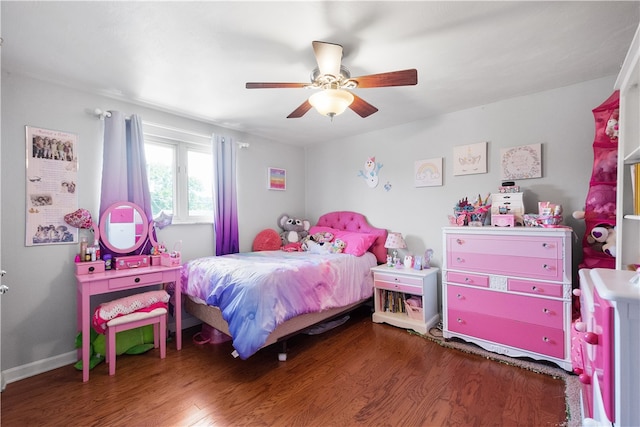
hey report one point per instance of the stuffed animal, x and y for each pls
(603, 238)
(295, 229)
(321, 237)
(335, 247)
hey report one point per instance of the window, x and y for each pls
(180, 173)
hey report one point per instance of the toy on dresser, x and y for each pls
(467, 213)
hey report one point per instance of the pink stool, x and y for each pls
(157, 318)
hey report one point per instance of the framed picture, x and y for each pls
(277, 179)
(521, 162)
(470, 159)
(52, 174)
(427, 173)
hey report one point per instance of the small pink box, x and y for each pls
(169, 261)
(155, 260)
(89, 267)
(505, 220)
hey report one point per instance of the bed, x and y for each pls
(260, 298)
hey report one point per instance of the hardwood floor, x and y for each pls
(360, 373)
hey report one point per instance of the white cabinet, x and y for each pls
(394, 286)
(628, 224)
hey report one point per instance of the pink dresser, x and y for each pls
(610, 314)
(508, 290)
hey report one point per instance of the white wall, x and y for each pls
(39, 312)
(560, 119)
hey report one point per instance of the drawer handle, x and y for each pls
(468, 280)
(459, 296)
(459, 241)
(545, 339)
(545, 245)
(546, 311)
(91, 269)
(459, 320)
(534, 288)
(546, 266)
(137, 280)
(459, 259)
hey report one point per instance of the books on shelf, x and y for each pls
(635, 187)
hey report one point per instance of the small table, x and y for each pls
(118, 280)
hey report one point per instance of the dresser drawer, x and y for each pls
(535, 288)
(509, 246)
(393, 282)
(535, 338)
(538, 311)
(535, 268)
(468, 279)
(125, 282)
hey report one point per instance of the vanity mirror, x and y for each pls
(124, 227)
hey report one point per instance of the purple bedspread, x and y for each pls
(257, 291)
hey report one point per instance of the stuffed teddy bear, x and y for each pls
(603, 238)
(294, 229)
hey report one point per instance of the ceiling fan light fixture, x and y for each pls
(331, 102)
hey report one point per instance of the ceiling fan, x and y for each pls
(335, 82)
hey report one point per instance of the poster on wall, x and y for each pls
(428, 173)
(52, 174)
(470, 159)
(276, 179)
(521, 162)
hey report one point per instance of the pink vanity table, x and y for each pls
(118, 280)
(124, 229)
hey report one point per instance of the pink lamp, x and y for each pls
(395, 241)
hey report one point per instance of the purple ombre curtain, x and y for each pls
(225, 221)
(124, 167)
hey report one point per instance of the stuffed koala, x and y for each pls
(294, 229)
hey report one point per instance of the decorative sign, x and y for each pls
(428, 173)
(52, 174)
(277, 179)
(521, 162)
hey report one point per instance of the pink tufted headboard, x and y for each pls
(353, 221)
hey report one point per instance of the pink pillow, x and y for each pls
(357, 243)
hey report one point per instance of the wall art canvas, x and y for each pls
(277, 179)
(428, 173)
(470, 159)
(521, 162)
(52, 174)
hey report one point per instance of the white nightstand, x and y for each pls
(393, 286)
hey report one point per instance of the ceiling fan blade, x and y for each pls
(300, 111)
(328, 57)
(393, 78)
(362, 107)
(262, 85)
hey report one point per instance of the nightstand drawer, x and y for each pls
(125, 282)
(412, 285)
(539, 311)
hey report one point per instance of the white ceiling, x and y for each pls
(193, 58)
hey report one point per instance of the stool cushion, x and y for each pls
(138, 315)
(142, 302)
